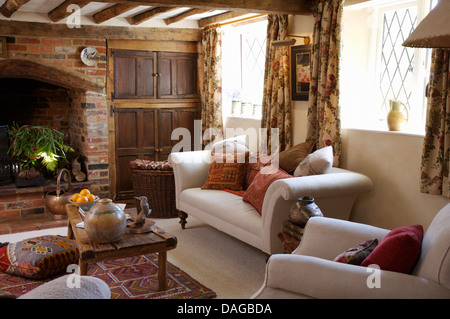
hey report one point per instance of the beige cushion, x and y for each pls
(315, 163)
(290, 158)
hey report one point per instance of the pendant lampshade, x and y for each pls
(434, 30)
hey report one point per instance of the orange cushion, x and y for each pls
(227, 173)
(255, 193)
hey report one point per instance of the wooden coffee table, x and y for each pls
(129, 245)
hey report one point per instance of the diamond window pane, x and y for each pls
(253, 64)
(397, 62)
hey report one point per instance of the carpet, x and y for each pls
(129, 278)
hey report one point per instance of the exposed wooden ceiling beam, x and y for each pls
(184, 15)
(60, 12)
(146, 15)
(249, 6)
(11, 6)
(60, 30)
(112, 12)
(220, 18)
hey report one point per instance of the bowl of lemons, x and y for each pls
(84, 199)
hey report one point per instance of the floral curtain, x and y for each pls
(276, 105)
(324, 125)
(211, 99)
(436, 146)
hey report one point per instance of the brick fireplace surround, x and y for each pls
(84, 120)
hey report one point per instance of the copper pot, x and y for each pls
(56, 201)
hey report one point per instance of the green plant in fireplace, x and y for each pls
(38, 148)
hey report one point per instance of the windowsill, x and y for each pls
(243, 117)
(407, 132)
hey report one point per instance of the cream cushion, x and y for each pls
(318, 162)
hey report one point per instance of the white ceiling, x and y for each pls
(36, 11)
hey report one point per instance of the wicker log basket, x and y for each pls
(155, 180)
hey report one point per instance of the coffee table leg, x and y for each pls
(82, 268)
(69, 230)
(162, 270)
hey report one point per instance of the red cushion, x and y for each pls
(255, 193)
(398, 251)
(256, 163)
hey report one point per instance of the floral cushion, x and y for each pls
(39, 257)
(256, 192)
(358, 253)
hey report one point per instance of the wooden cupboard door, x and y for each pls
(134, 74)
(167, 119)
(146, 78)
(177, 75)
(125, 77)
(135, 138)
(164, 77)
(186, 119)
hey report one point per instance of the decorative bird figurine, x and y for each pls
(143, 211)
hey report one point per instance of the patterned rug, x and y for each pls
(128, 278)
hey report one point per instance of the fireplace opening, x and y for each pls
(35, 92)
(31, 102)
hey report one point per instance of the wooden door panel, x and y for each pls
(178, 78)
(186, 77)
(186, 119)
(124, 182)
(164, 78)
(126, 126)
(135, 138)
(166, 123)
(146, 78)
(125, 77)
(148, 130)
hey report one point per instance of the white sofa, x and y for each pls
(310, 272)
(334, 192)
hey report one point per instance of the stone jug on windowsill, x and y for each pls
(396, 120)
(303, 210)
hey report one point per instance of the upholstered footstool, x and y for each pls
(71, 287)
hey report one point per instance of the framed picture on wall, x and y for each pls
(2, 47)
(300, 71)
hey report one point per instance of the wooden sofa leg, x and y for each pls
(183, 216)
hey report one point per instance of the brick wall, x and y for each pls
(88, 116)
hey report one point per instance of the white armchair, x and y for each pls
(310, 272)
